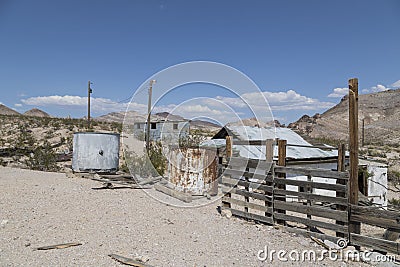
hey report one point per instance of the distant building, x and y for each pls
(162, 130)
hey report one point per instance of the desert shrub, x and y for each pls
(43, 158)
(192, 140)
(154, 163)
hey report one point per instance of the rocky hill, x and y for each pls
(37, 113)
(379, 111)
(7, 111)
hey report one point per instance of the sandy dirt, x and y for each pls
(40, 209)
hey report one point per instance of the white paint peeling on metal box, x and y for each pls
(192, 170)
(95, 152)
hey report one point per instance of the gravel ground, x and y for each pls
(39, 209)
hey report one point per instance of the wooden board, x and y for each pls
(311, 196)
(376, 243)
(251, 216)
(312, 172)
(312, 210)
(375, 216)
(253, 185)
(312, 223)
(332, 187)
(173, 193)
(247, 204)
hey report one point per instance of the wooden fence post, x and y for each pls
(353, 141)
(269, 156)
(341, 168)
(281, 162)
(228, 148)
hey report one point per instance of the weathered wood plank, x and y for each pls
(307, 233)
(247, 194)
(252, 185)
(128, 261)
(332, 187)
(249, 142)
(250, 175)
(251, 216)
(312, 210)
(247, 204)
(311, 196)
(376, 243)
(173, 193)
(59, 246)
(314, 223)
(259, 164)
(375, 216)
(312, 172)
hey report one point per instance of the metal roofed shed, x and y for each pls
(95, 152)
(258, 152)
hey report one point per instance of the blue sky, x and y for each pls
(300, 53)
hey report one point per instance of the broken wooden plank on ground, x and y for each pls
(151, 180)
(185, 197)
(128, 261)
(59, 246)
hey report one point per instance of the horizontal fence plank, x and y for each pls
(376, 243)
(308, 222)
(247, 194)
(312, 172)
(308, 146)
(311, 210)
(249, 142)
(375, 216)
(247, 204)
(307, 233)
(332, 187)
(311, 196)
(250, 175)
(252, 185)
(240, 162)
(251, 216)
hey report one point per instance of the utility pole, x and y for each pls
(148, 114)
(88, 112)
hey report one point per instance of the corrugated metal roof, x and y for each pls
(258, 152)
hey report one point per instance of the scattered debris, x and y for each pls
(319, 242)
(3, 223)
(137, 262)
(226, 213)
(185, 197)
(59, 246)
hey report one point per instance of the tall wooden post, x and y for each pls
(269, 156)
(281, 162)
(341, 167)
(353, 141)
(228, 147)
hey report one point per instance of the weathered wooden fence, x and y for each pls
(308, 201)
(256, 191)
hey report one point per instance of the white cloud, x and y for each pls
(97, 104)
(375, 89)
(339, 92)
(18, 105)
(278, 101)
(396, 84)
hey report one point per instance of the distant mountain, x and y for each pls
(7, 111)
(380, 111)
(256, 123)
(169, 116)
(37, 113)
